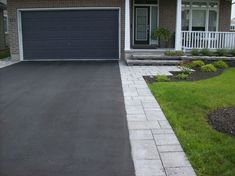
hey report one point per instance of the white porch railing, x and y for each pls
(232, 28)
(209, 40)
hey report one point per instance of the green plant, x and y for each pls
(174, 53)
(182, 76)
(162, 34)
(5, 53)
(221, 52)
(197, 63)
(186, 70)
(195, 52)
(162, 78)
(206, 52)
(232, 52)
(209, 68)
(220, 64)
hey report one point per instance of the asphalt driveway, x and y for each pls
(63, 119)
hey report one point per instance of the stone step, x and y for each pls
(132, 62)
(154, 57)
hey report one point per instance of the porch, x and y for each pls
(193, 24)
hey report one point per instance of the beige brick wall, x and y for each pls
(2, 33)
(224, 15)
(13, 5)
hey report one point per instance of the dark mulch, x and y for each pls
(194, 76)
(223, 120)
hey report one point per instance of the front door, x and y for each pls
(142, 28)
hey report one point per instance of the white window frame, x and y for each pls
(208, 9)
(150, 23)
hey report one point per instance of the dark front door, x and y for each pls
(70, 34)
(142, 27)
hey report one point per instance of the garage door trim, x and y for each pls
(20, 34)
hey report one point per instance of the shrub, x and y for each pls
(209, 68)
(206, 52)
(182, 76)
(174, 53)
(162, 78)
(186, 70)
(221, 52)
(195, 52)
(220, 64)
(197, 63)
(162, 34)
(232, 52)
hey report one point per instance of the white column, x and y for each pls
(178, 38)
(127, 26)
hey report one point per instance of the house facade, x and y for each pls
(2, 29)
(110, 29)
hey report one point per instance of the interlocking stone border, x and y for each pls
(156, 150)
(7, 62)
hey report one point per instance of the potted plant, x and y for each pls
(163, 35)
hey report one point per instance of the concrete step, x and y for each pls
(154, 57)
(132, 62)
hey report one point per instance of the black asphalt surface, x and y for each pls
(63, 119)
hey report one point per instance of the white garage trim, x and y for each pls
(20, 34)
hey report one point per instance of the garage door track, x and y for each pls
(63, 119)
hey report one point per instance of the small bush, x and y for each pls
(197, 63)
(232, 52)
(220, 64)
(186, 70)
(221, 52)
(162, 78)
(182, 76)
(174, 53)
(206, 52)
(195, 52)
(209, 68)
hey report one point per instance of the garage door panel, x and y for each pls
(76, 34)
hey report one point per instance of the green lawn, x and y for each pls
(4, 54)
(186, 105)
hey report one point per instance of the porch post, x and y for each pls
(127, 25)
(178, 42)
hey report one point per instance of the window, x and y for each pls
(5, 21)
(200, 15)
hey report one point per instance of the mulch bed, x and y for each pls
(194, 76)
(223, 120)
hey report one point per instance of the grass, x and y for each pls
(4, 54)
(186, 105)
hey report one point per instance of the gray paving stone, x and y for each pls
(149, 168)
(170, 148)
(164, 124)
(144, 150)
(162, 131)
(137, 117)
(166, 139)
(174, 159)
(156, 114)
(180, 171)
(141, 135)
(132, 110)
(144, 125)
(133, 102)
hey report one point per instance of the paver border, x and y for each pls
(156, 150)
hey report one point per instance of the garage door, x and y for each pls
(70, 34)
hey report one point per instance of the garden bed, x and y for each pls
(194, 76)
(223, 120)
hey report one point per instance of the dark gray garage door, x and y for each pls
(70, 34)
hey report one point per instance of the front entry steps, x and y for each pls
(154, 57)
